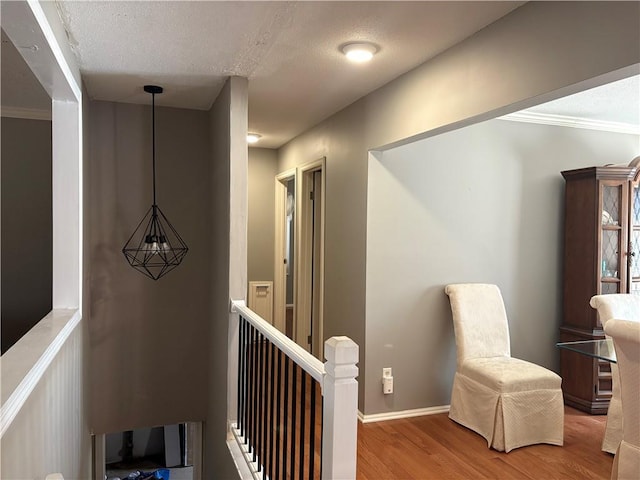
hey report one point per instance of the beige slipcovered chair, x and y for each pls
(510, 402)
(626, 338)
(622, 306)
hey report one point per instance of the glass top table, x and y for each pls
(601, 349)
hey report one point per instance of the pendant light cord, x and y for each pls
(153, 147)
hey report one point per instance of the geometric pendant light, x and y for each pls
(154, 248)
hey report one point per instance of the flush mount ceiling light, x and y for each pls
(253, 137)
(359, 52)
(154, 248)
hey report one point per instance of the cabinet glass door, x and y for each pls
(634, 240)
(611, 239)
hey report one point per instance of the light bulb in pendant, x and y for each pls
(151, 245)
(148, 243)
(164, 246)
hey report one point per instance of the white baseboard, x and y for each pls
(417, 412)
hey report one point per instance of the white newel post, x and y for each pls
(340, 403)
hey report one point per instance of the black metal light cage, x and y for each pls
(155, 247)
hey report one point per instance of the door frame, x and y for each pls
(304, 256)
(279, 267)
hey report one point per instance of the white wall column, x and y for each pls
(43, 375)
(67, 204)
(238, 201)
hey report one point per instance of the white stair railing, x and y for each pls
(277, 423)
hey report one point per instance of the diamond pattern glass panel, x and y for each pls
(636, 206)
(611, 205)
(608, 288)
(635, 258)
(610, 253)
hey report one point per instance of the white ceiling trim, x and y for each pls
(573, 122)
(25, 113)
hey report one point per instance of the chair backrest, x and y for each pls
(623, 306)
(479, 321)
(626, 338)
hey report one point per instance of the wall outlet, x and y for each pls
(387, 381)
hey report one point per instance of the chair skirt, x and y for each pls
(626, 464)
(512, 418)
(613, 430)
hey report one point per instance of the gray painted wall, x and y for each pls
(341, 140)
(541, 51)
(159, 349)
(480, 204)
(263, 164)
(223, 117)
(149, 345)
(26, 226)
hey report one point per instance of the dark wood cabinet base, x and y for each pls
(594, 408)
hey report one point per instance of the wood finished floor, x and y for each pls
(435, 447)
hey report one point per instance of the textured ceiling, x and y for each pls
(617, 102)
(289, 51)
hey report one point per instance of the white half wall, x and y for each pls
(480, 204)
(44, 412)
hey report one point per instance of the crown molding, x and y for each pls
(573, 122)
(25, 113)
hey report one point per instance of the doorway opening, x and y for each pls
(284, 268)
(299, 255)
(169, 450)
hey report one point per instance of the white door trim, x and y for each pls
(279, 268)
(304, 254)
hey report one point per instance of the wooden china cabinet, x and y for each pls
(601, 251)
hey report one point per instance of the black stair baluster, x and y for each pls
(279, 408)
(294, 407)
(239, 402)
(260, 401)
(254, 414)
(272, 415)
(285, 447)
(303, 418)
(265, 409)
(312, 428)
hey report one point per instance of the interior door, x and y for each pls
(316, 283)
(310, 257)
